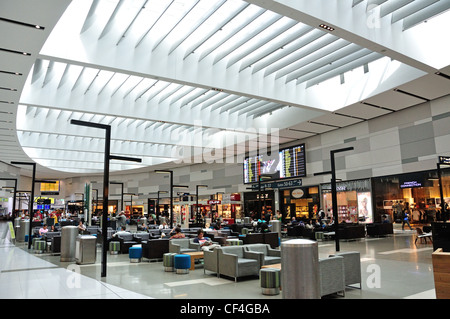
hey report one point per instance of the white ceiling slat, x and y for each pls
(425, 14)
(194, 96)
(253, 106)
(208, 95)
(241, 100)
(64, 76)
(243, 105)
(294, 70)
(331, 61)
(169, 93)
(410, 9)
(252, 32)
(345, 67)
(220, 96)
(90, 18)
(392, 6)
(196, 25)
(176, 24)
(110, 22)
(142, 7)
(224, 102)
(219, 28)
(267, 38)
(312, 42)
(106, 84)
(49, 73)
(78, 81)
(37, 69)
(163, 86)
(269, 48)
(177, 97)
(169, 4)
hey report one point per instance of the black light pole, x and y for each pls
(197, 219)
(334, 192)
(30, 207)
(157, 204)
(108, 157)
(14, 194)
(171, 193)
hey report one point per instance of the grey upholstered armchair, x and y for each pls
(267, 255)
(181, 245)
(331, 274)
(235, 261)
(211, 260)
(352, 267)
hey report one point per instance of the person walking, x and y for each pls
(406, 219)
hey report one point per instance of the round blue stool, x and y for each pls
(135, 254)
(182, 263)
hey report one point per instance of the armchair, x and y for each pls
(235, 261)
(141, 237)
(126, 241)
(331, 274)
(266, 255)
(155, 248)
(352, 267)
(182, 245)
(211, 261)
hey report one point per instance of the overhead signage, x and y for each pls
(280, 184)
(444, 160)
(214, 202)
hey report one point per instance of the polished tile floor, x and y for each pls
(393, 267)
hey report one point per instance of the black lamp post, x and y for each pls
(197, 216)
(30, 206)
(121, 195)
(171, 193)
(334, 192)
(14, 194)
(107, 158)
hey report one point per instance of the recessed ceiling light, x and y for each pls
(326, 27)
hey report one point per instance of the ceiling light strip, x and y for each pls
(11, 73)
(411, 94)
(31, 25)
(377, 106)
(15, 52)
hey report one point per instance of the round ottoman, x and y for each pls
(182, 263)
(39, 246)
(114, 247)
(135, 254)
(270, 280)
(168, 261)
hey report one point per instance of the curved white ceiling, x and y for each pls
(178, 79)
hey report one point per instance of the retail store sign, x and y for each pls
(444, 160)
(214, 202)
(297, 193)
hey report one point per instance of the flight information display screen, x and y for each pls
(287, 163)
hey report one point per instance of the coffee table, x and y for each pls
(194, 256)
(277, 266)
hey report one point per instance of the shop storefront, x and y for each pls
(299, 202)
(354, 200)
(419, 192)
(254, 201)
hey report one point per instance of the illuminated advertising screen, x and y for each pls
(365, 212)
(287, 163)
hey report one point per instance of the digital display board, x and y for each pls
(289, 162)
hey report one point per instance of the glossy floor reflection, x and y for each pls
(393, 267)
